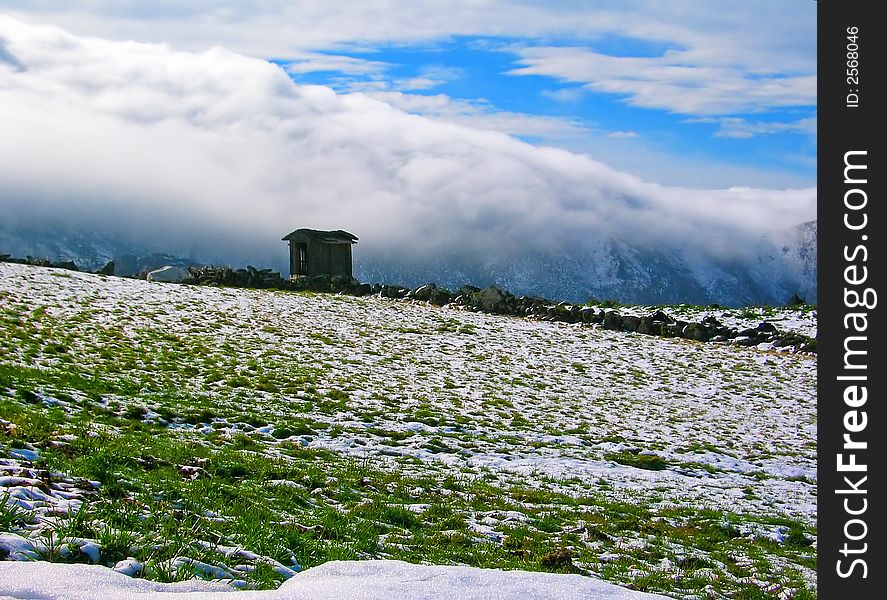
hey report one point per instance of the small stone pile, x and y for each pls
(494, 300)
(68, 265)
(250, 277)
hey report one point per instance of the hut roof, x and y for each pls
(331, 237)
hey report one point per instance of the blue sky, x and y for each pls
(481, 71)
(691, 92)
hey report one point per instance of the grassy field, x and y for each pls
(247, 434)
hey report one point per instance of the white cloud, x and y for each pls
(759, 35)
(308, 62)
(623, 135)
(566, 95)
(673, 81)
(279, 28)
(479, 114)
(734, 127)
(726, 58)
(216, 141)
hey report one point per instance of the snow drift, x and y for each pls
(338, 580)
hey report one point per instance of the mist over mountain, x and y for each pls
(783, 263)
(112, 149)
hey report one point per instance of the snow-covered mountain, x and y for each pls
(781, 264)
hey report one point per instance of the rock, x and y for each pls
(344, 284)
(561, 312)
(796, 300)
(69, 265)
(491, 299)
(393, 291)
(630, 323)
(423, 292)
(670, 329)
(612, 320)
(660, 316)
(587, 314)
(697, 332)
(169, 274)
(320, 283)
(300, 284)
(724, 332)
(439, 297)
(108, 269)
(767, 327)
(38, 262)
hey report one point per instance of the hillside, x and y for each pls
(777, 265)
(246, 435)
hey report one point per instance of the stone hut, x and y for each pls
(314, 252)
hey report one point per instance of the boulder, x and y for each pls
(697, 332)
(631, 323)
(423, 292)
(587, 314)
(563, 312)
(666, 329)
(612, 320)
(169, 274)
(320, 283)
(69, 265)
(767, 327)
(108, 269)
(796, 300)
(344, 284)
(439, 297)
(491, 299)
(659, 316)
(393, 291)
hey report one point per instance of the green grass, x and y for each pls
(166, 423)
(650, 462)
(149, 510)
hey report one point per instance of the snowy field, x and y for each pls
(796, 320)
(531, 436)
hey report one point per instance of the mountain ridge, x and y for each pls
(780, 264)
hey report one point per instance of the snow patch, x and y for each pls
(354, 580)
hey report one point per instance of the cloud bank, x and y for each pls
(708, 58)
(698, 59)
(228, 150)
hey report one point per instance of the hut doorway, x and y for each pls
(301, 259)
